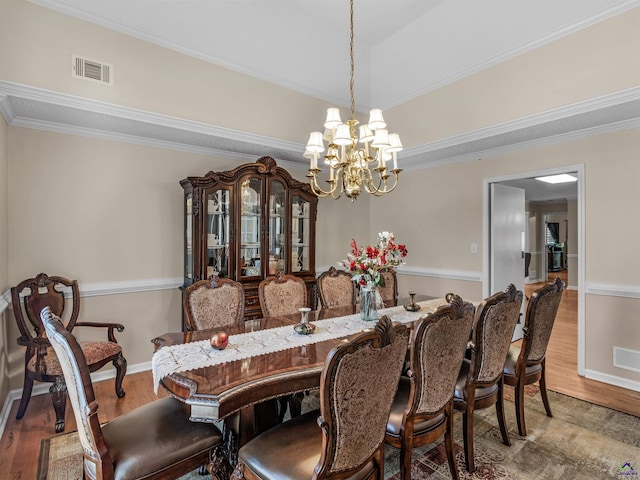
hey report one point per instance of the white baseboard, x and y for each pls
(43, 388)
(613, 380)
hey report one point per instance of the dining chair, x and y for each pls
(155, 441)
(336, 288)
(213, 302)
(422, 409)
(389, 292)
(480, 382)
(525, 364)
(28, 298)
(345, 438)
(282, 294)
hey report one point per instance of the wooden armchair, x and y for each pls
(155, 441)
(345, 439)
(336, 288)
(28, 298)
(389, 292)
(212, 303)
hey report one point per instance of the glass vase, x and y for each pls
(368, 302)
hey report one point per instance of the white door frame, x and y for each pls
(486, 230)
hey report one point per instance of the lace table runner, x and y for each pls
(193, 355)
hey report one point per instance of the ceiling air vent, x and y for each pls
(91, 70)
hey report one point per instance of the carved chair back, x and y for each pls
(39, 292)
(213, 303)
(389, 292)
(495, 322)
(439, 345)
(541, 314)
(336, 288)
(358, 384)
(282, 294)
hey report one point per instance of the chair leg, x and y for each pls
(500, 413)
(543, 392)
(59, 396)
(467, 433)
(26, 395)
(519, 397)
(448, 444)
(121, 370)
(406, 450)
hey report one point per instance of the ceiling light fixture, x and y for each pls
(562, 178)
(351, 168)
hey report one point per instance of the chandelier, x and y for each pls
(353, 168)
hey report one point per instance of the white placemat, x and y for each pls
(193, 355)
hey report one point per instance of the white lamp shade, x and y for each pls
(315, 142)
(395, 145)
(328, 134)
(333, 118)
(366, 135)
(381, 139)
(376, 120)
(342, 136)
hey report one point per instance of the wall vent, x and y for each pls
(627, 359)
(91, 70)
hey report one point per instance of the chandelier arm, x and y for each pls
(317, 190)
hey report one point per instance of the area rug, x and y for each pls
(582, 440)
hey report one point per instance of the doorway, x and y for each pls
(535, 243)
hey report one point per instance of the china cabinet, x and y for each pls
(248, 223)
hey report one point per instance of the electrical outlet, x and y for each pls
(474, 248)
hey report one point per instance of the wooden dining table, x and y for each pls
(242, 391)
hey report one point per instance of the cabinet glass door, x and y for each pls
(250, 227)
(188, 241)
(217, 230)
(300, 234)
(277, 227)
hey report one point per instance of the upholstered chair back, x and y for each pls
(439, 345)
(213, 303)
(389, 292)
(358, 384)
(282, 295)
(541, 314)
(336, 288)
(79, 387)
(496, 320)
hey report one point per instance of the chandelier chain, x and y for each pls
(351, 83)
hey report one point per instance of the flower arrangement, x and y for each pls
(366, 264)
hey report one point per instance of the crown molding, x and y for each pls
(472, 144)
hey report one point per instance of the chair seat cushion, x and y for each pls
(290, 450)
(398, 407)
(94, 352)
(155, 436)
(480, 392)
(512, 359)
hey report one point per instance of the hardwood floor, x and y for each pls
(20, 443)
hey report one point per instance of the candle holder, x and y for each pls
(412, 306)
(304, 327)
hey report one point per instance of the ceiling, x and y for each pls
(303, 45)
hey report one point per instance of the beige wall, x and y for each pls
(4, 254)
(146, 76)
(589, 63)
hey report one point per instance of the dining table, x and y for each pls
(265, 359)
